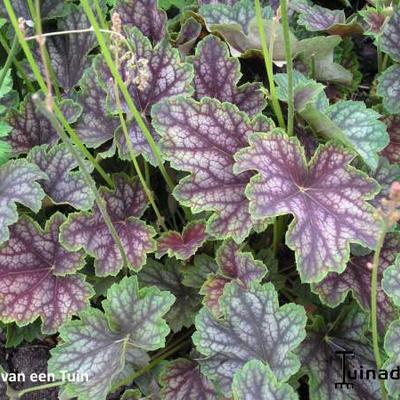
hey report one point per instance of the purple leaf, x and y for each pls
(38, 276)
(390, 39)
(253, 326)
(166, 76)
(96, 126)
(63, 185)
(227, 2)
(234, 265)
(201, 138)
(68, 53)
(324, 367)
(48, 9)
(189, 33)
(389, 88)
(169, 277)
(392, 151)
(374, 20)
(217, 75)
(102, 344)
(144, 15)
(182, 246)
(326, 196)
(30, 128)
(357, 279)
(18, 184)
(125, 206)
(182, 380)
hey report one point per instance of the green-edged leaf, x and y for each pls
(30, 128)
(326, 196)
(201, 138)
(324, 366)
(385, 175)
(182, 380)
(125, 205)
(389, 89)
(38, 276)
(182, 246)
(18, 184)
(392, 348)
(97, 343)
(217, 75)
(189, 33)
(63, 185)
(390, 39)
(256, 381)
(357, 278)
(169, 277)
(391, 281)
(253, 326)
(233, 265)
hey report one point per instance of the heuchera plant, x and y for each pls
(199, 199)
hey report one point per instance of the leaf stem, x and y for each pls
(374, 318)
(89, 181)
(36, 71)
(124, 90)
(10, 57)
(269, 67)
(289, 65)
(32, 389)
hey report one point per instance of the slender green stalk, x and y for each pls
(99, 13)
(268, 65)
(289, 65)
(18, 66)
(86, 174)
(160, 218)
(124, 90)
(43, 87)
(374, 317)
(10, 57)
(32, 389)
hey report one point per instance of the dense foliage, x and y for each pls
(199, 198)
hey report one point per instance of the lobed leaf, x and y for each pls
(389, 89)
(62, 185)
(182, 379)
(125, 205)
(99, 344)
(182, 246)
(18, 184)
(392, 348)
(390, 37)
(201, 138)
(392, 151)
(390, 281)
(233, 265)
(357, 278)
(169, 277)
(253, 326)
(38, 276)
(217, 75)
(326, 196)
(189, 33)
(255, 380)
(195, 275)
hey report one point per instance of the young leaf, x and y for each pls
(165, 75)
(30, 128)
(357, 279)
(96, 126)
(144, 15)
(38, 276)
(181, 379)
(182, 246)
(217, 76)
(253, 326)
(326, 196)
(375, 20)
(98, 344)
(202, 138)
(390, 38)
(324, 367)
(189, 33)
(63, 185)
(389, 89)
(392, 151)
(18, 184)
(392, 348)
(233, 265)
(255, 380)
(169, 277)
(125, 206)
(68, 53)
